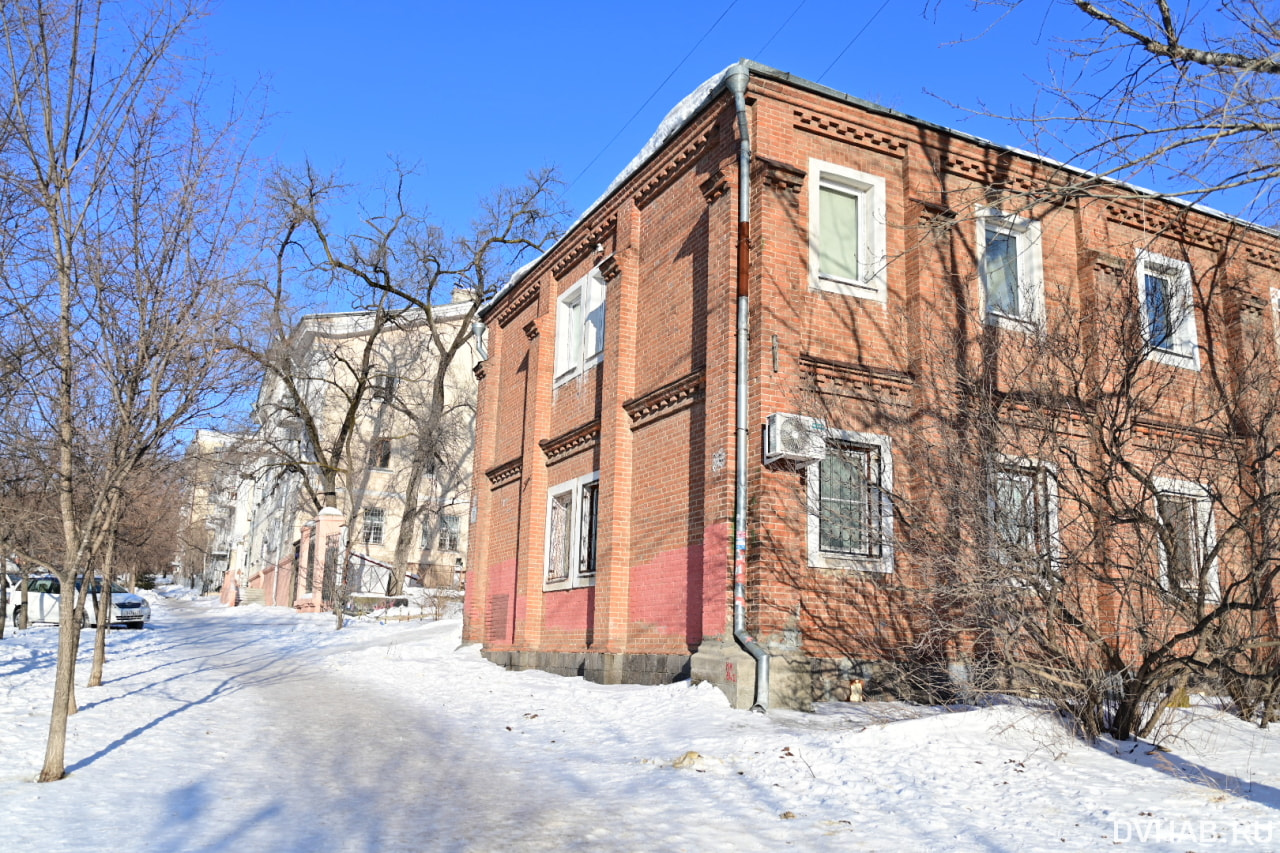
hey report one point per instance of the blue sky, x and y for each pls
(475, 94)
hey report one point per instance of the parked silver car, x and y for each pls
(44, 598)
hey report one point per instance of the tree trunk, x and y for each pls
(1128, 710)
(26, 601)
(424, 451)
(102, 608)
(63, 689)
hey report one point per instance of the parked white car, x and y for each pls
(44, 598)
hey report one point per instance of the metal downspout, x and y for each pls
(737, 83)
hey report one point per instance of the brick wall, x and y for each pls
(656, 418)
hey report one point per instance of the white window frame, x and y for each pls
(872, 281)
(1185, 351)
(1275, 318)
(1204, 519)
(820, 559)
(368, 526)
(580, 327)
(453, 534)
(574, 489)
(1049, 472)
(1030, 268)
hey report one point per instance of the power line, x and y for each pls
(654, 94)
(761, 51)
(855, 38)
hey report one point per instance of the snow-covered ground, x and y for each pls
(259, 729)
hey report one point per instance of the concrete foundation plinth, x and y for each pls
(729, 667)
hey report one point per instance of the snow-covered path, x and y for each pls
(219, 730)
(257, 729)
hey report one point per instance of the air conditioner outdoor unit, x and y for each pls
(794, 437)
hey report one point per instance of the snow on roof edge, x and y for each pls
(682, 112)
(673, 121)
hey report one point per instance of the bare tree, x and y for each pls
(142, 537)
(418, 288)
(121, 268)
(1099, 530)
(403, 256)
(1182, 93)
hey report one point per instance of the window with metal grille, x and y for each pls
(849, 500)
(1185, 542)
(1022, 515)
(572, 513)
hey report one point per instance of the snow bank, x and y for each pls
(259, 728)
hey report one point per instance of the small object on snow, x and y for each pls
(788, 815)
(689, 759)
(1157, 748)
(695, 761)
(855, 690)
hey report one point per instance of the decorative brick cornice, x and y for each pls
(937, 219)
(572, 442)
(928, 211)
(716, 185)
(531, 329)
(500, 475)
(517, 303)
(865, 381)
(845, 131)
(1137, 215)
(669, 171)
(1263, 257)
(593, 239)
(1102, 262)
(610, 268)
(1252, 306)
(987, 173)
(779, 176)
(1153, 430)
(663, 401)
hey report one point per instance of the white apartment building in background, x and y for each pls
(267, 546)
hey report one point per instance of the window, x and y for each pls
(1168, 315)
(383, 387)
(1275, 317)
(311, 562)
(580, 327)
(846, 231)
(380, 453)
(450, 526)
(1024, 516)
(373, 524)
(572, 511)
(1186, 539)
(1011, 268)
(850, 512)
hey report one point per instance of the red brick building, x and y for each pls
(873, 268)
